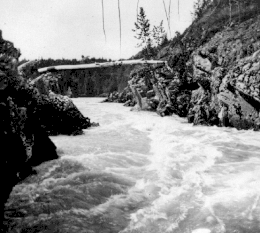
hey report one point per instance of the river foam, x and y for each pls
(139, 172)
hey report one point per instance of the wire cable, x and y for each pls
(120, 29)
(137, 8)
(103, 19)
(167, 18)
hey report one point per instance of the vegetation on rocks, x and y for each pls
(212, 77)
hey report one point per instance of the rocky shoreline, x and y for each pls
(213, 79)
(28, 116)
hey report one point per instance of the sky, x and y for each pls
(72, 28)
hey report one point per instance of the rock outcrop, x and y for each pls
(55, 110)
(24, 143)
(213, 71)
(228, 70)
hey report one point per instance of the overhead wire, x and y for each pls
(120, 29)
(137, 7)
(167, 17)
(103, 19)
(169, 13)
(179, 9)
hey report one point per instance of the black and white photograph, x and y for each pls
(130, 116)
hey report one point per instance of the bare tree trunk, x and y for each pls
(99, 65)
(137, 96)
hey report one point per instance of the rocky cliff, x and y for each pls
(213, 72)
(24, 143)
(227, 70)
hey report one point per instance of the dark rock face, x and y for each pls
(24, 143)
(54, 110)
(229, 63)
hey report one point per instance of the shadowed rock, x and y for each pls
(24, 143)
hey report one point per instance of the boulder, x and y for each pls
(54, 110)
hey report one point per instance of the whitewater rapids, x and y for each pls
(144, 173)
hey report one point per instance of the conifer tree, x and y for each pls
(159, 34)
(143, 34)
(142, 28)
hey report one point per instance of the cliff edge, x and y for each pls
(213, 72)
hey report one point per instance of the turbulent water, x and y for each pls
(139, 172)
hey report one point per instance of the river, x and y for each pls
(139, 172)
